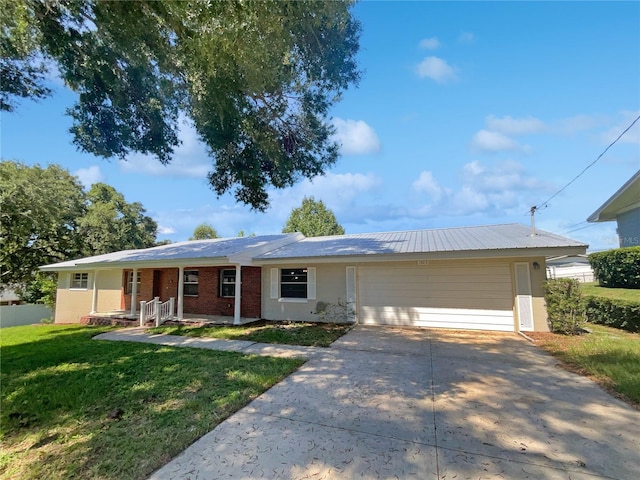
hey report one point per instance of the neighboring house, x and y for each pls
(8, 296)
(485, 277)
(624, 208)
(570, 266)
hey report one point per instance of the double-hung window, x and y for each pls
(128, 289)
(293, 283)
(190, 282)
(228, 283)
(80, 280)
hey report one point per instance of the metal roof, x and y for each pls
(219, 248)
(479, 238)
(246, 250)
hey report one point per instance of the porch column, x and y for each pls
(94, 297)
(236, 305)
(134, 291)
(180, 292)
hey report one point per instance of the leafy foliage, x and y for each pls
(565, 305)
(313, 219)
(204, 231)
(617, 268)
(42, 289)
(111, 224)
(614, 313)
(40, 209)
(256, 78)
(47, 217)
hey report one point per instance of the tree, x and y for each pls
(39, 212)
(256, 78)
(47, 217)
(313, 219)
(204, 231)
(111, 224)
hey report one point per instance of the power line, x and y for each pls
(544, 204)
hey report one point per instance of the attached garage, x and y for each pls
(444, 294)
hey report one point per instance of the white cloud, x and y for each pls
(430, 43)
(466, 37)
(493, 190)
(338, 191)
(89, 176)
(355, 137)
(488, 141)
(190, 158)
(162, 230)
(428, 184)
(436, 69)
(631, 136)
(514, 126)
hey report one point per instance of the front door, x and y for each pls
(157, 284)
(524, 304)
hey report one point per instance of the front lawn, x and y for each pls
(608, 355)
(77, 408)
(298, 333)
(592, 289)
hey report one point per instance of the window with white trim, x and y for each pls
(190, 282)
(228, 283)
(80, 280)
(293, 283)
(128, 289)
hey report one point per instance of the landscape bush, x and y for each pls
(614, 313)
(618, 268)
(565, 305)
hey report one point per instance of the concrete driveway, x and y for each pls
(427, 404)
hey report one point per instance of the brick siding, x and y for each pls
(208, 301)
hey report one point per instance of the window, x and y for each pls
(128, 289)
(293, 283)
(190, 281)
(80, 280)
(228, 283)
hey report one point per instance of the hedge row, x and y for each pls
(614, 313)
(618, 268)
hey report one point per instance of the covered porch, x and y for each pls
(124, 318)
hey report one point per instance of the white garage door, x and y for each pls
(443, 295)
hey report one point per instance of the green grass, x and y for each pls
(594, 290)
(77, 408)
(308, 334)
(609, 355)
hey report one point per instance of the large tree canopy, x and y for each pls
(313, 219)
(39, 209)
(47, 217)
(256, 79)
(111, 224)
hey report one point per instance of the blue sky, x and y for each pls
(467, 114)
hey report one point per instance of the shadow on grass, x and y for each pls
(73, 407)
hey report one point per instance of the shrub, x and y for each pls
(565, 305)
(614, 313)
(618, 268)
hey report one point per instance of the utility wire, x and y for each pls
(545, 203)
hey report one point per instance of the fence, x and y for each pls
(13, 315)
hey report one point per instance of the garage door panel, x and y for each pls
(450, 295)
(475, 319)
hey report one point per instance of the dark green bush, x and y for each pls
(614, 313)
(565, 305)
(618, 268)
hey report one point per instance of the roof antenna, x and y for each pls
(533, 221)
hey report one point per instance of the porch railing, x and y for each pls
(155, 310)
